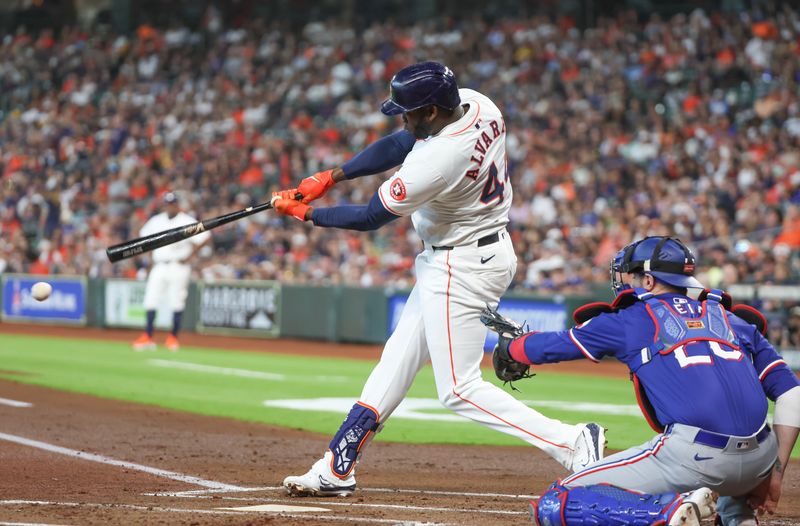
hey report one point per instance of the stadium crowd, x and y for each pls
(688, 126)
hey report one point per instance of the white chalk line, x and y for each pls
(227, 371)
(430, 409)
(116, 506)
(202, 511)
(120, 463)
(14, 403)
(242, 373)
(364, 505)
(451, 493)
(200, 493)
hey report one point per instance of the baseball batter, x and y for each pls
(703, 373)
(454, 185)
(168, 280)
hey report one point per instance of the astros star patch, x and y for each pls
(398, 190)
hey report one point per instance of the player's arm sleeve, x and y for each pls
(600, 336)
(387, 152)
(412, 186)
(775, 375)
(787, 408)
(354, 217)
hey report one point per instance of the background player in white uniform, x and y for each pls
(168, 281)
(453, 183)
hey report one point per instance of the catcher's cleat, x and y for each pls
(590, 446)
(320, 482)
(172, 343)
(144, 343)
(695, 507)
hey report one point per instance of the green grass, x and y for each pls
(111, 370)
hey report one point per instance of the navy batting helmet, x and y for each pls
(420, 85)
(665, 258)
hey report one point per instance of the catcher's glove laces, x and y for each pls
(505, 367)
(510, 383)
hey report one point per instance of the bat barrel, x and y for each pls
(141, 245)
(125, 250)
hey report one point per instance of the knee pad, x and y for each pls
(361, 422)
(602, 504)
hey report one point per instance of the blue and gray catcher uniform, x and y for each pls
(701, 374)
(702, 377)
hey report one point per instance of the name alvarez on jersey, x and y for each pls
(455, 184)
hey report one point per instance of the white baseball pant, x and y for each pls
(441, 322)
(167, 282)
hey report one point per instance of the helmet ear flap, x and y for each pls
(622, 265)
(628, 256)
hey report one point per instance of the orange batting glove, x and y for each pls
(286, 194)
(316, 186)
(290, 207)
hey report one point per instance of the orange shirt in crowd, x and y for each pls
(790, 235)
(139, 192)
(252, 176)
(39, 268)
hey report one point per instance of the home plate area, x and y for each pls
(372, 505)
(71, 459)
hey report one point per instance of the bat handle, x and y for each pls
(297, 197)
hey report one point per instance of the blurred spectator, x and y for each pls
(792, 336)
(688, 126)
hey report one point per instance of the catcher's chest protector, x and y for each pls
(674, 331)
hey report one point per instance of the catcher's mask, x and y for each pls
(667, 259)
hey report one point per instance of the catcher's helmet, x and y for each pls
(420, 85)
(665, 258)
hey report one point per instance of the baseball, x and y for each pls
(41, 290)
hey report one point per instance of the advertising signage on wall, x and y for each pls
(124, 305)
(536, 315)
(66, 304)
(243, 307)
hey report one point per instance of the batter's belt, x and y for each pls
(482, 242)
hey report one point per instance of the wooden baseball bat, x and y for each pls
(137, 246)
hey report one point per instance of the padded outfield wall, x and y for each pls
(271, 309)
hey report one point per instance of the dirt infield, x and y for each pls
(156, 466)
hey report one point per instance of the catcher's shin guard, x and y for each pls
(602, 504)
(361, 423)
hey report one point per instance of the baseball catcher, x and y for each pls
(685, 356)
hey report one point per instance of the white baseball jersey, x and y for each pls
(176, 251)
(455, 184)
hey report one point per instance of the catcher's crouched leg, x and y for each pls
(361, 423)
(605, 504)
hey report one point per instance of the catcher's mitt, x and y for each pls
(505, 367)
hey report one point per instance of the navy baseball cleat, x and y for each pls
(320, 482)
(590, 446)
